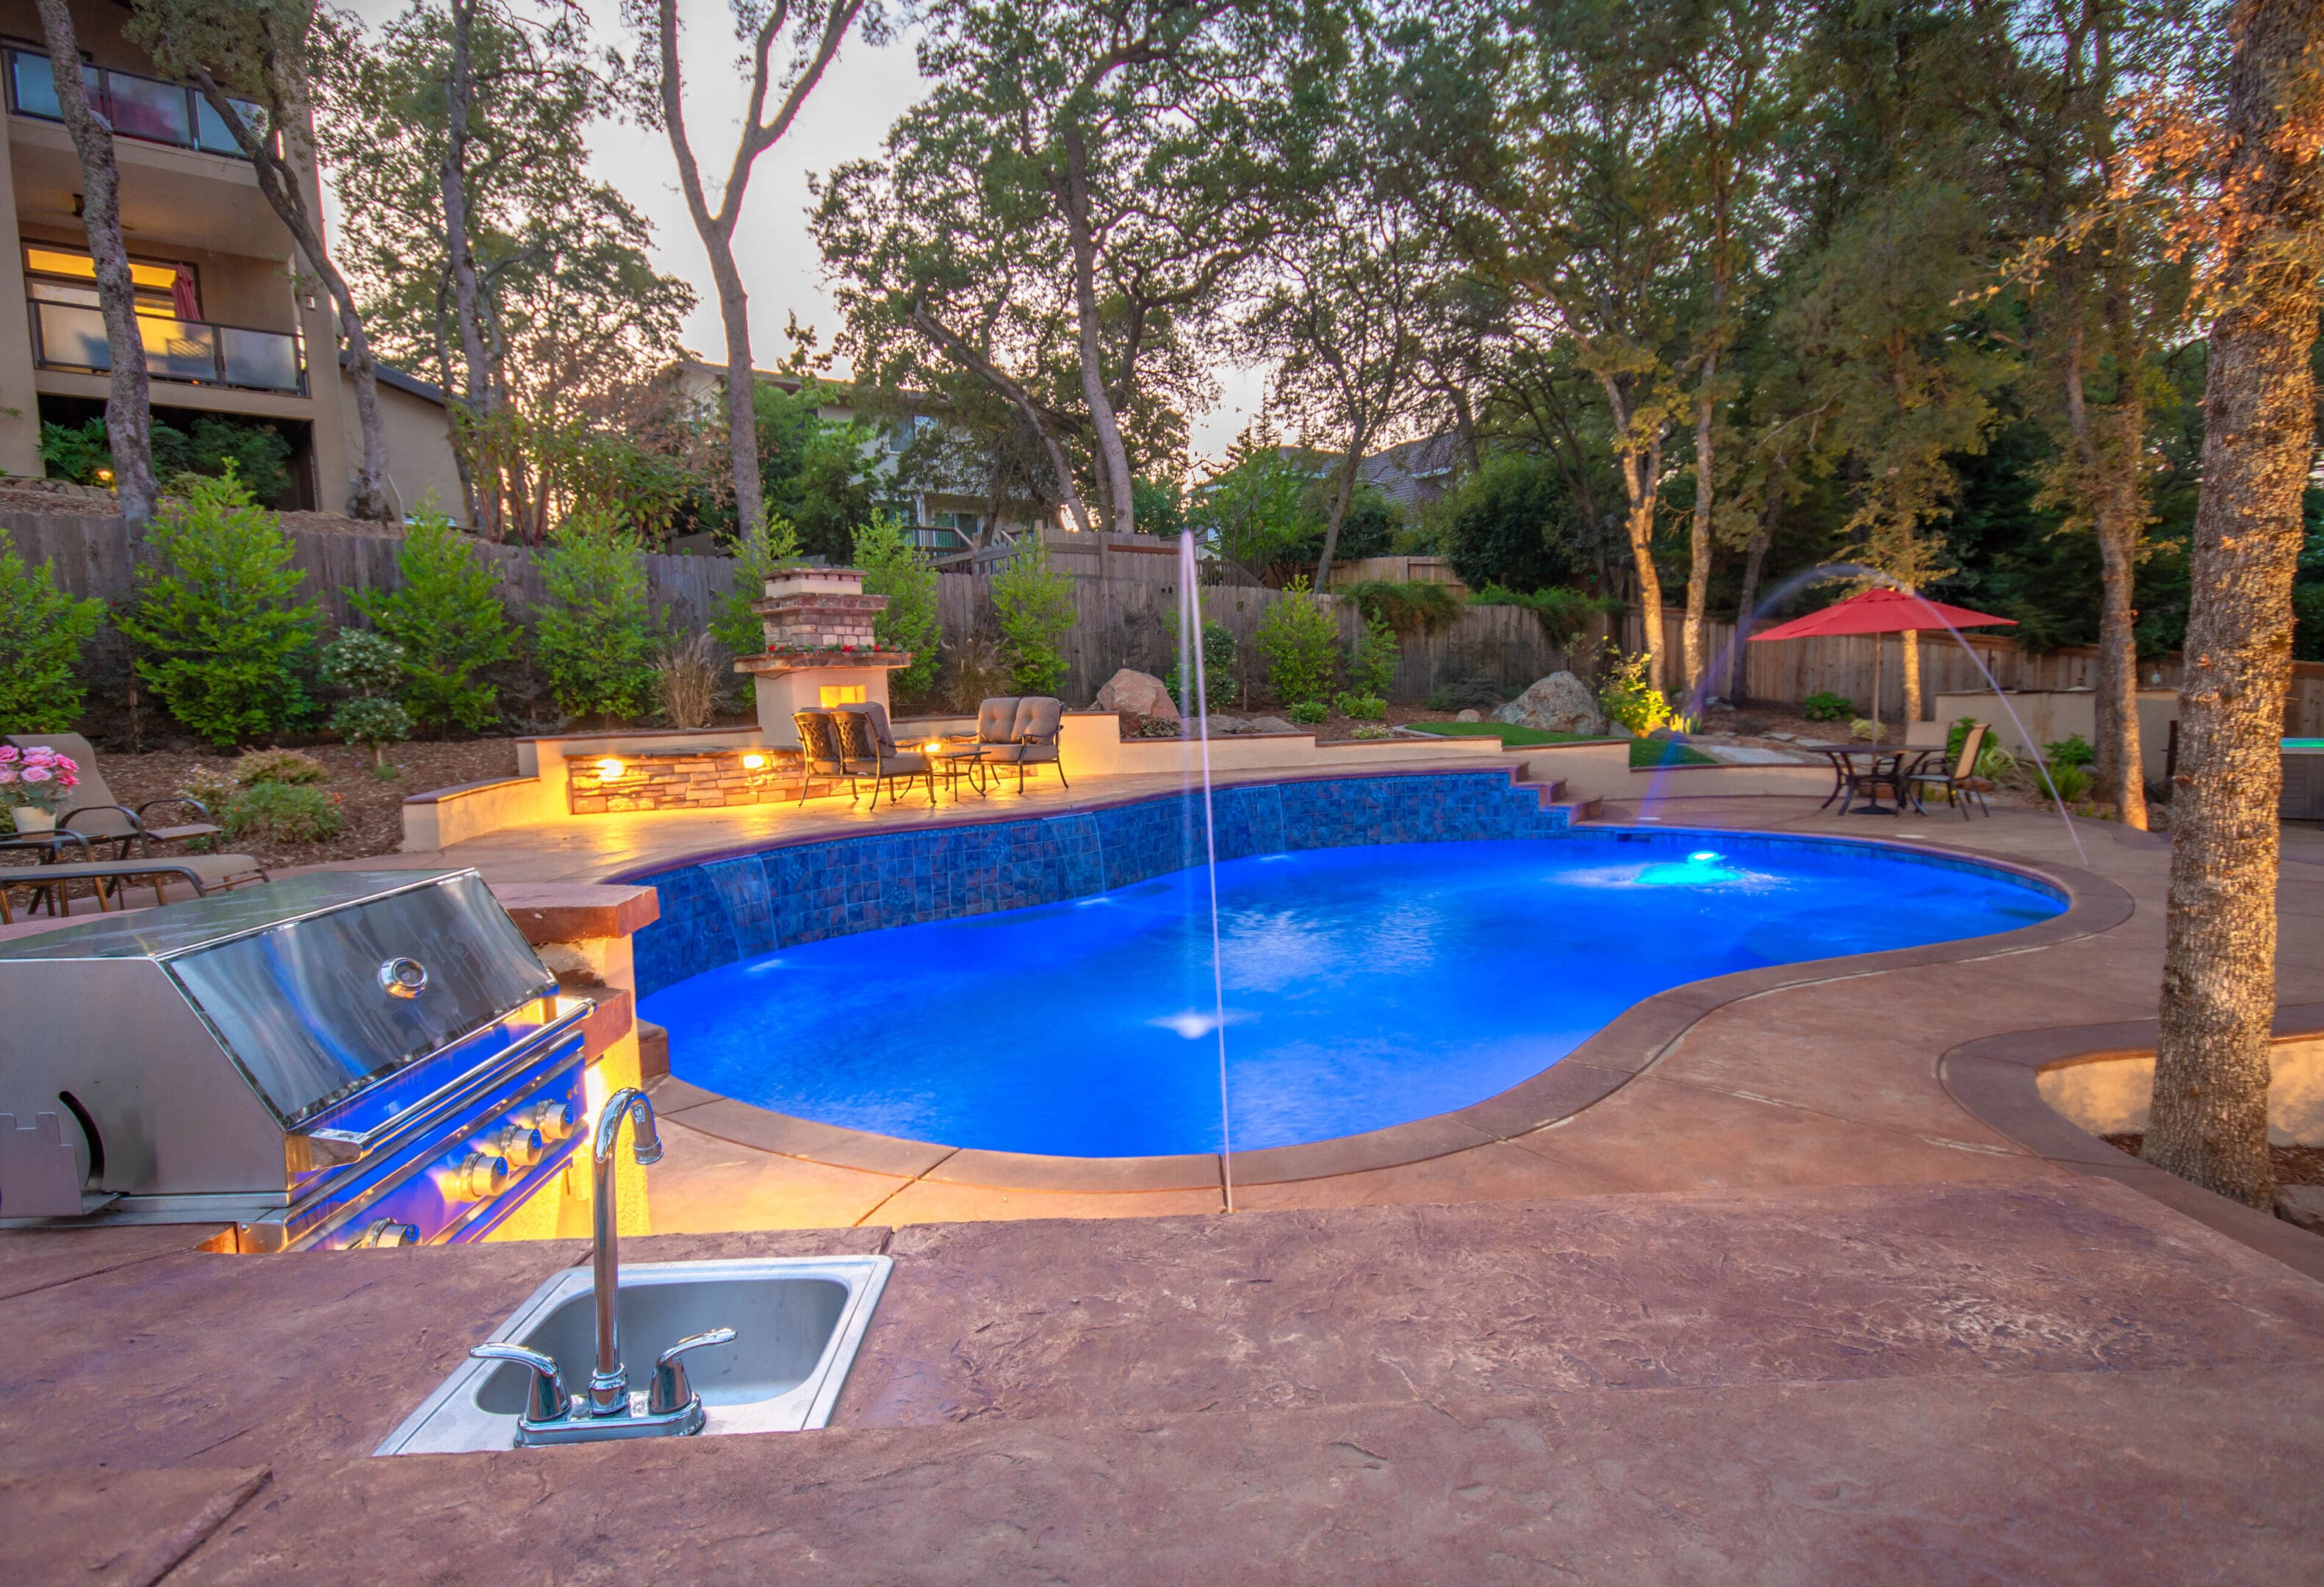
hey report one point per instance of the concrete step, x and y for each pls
(1579, 810)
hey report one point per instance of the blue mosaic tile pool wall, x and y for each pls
(718, 912)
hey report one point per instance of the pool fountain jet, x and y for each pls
(1194, 731)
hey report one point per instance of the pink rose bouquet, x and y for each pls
(38, 776)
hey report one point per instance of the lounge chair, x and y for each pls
(100, 818)
(1960, 782)
(867, 748)
(205, 874)
(819, 737)
(1032, 737)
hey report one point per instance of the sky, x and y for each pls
(863, 92)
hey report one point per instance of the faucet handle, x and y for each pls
(547, 1400)
(671, 1391)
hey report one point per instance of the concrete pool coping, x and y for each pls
(1996, 1078)
(1610, 1058)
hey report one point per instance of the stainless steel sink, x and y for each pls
(798, 1323)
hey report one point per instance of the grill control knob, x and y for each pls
(477, 1178)
(384, 1234)
(404, 978)
(555, 1121)
(519, 1144)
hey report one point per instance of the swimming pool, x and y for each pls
(1364, 986)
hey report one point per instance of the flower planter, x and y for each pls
(31, 818)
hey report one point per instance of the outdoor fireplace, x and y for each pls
(821, 651)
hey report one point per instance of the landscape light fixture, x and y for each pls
(609, 768)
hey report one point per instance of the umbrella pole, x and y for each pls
(1879, 657)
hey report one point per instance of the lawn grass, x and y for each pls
(1644, 751)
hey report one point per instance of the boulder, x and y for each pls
(2302, 1204)
(1269, 724)
(1225, 725)
(1132, 693)
(1559, 703)
(1470, 715)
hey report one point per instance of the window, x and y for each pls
(139, 107)
(56, 274)
(909, 431)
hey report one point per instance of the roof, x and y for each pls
(1403, 470)
(388, 375)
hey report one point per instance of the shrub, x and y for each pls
(1472, 693)
(368, 668)
(1562, 613)
(1514, 521)
(41, 632)
(1307, 712)
(1627, 698)
(894, 567)
(1371, 665)
(1824, 705)
(1864, 730)
(686, 682)
(252, 767)
(215, 444)
(974, 670)
(1034, 608)
(448, 620)
(216, 617)
(594, 639)
(1373, 730)
(1407, 608)
(1299, 642)
(1219, 688)
(2074, 750)
(758, 556)
(2068, 782)
(1360, 708)
(286, 812)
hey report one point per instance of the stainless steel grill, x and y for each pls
(358, 1058)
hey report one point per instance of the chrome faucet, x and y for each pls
(672, 1406)
(609, 1383)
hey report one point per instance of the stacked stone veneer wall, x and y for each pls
(712, 780)
(719, 911)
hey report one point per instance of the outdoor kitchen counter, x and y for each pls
(1716, 1384)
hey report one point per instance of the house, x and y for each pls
(229, 328)
(944, 509)
(1414, 474)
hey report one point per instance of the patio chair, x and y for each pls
(205, 874)
(819, 756)
(867, 748)
(996, 721)
(1960, 781)
(1032, 739)
(101, 818)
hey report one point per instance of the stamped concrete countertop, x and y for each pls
(1960, 1381)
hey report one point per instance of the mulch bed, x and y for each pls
(372, 807)
(2294, 1165)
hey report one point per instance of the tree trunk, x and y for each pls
(1338, 514)
(1112, 455)
(2208, 1122)
(128, 409)
(1642, 473)
(1908, 669)
(467, 299)
(2121, 772)
(1692, 646)
(278, 180)
(1001, 381)
(742, 395)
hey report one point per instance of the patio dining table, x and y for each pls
(1864, 768)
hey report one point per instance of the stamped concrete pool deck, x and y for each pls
(1823, 1075)
(1799, 1300)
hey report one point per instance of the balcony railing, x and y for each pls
(137, 106)
(66, 335)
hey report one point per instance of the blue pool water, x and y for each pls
(1365, 986)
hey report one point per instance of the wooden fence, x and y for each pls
(1786, 672)
(1125, 621)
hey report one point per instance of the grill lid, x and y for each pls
(318, 984)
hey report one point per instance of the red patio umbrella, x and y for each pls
(1881, 610)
